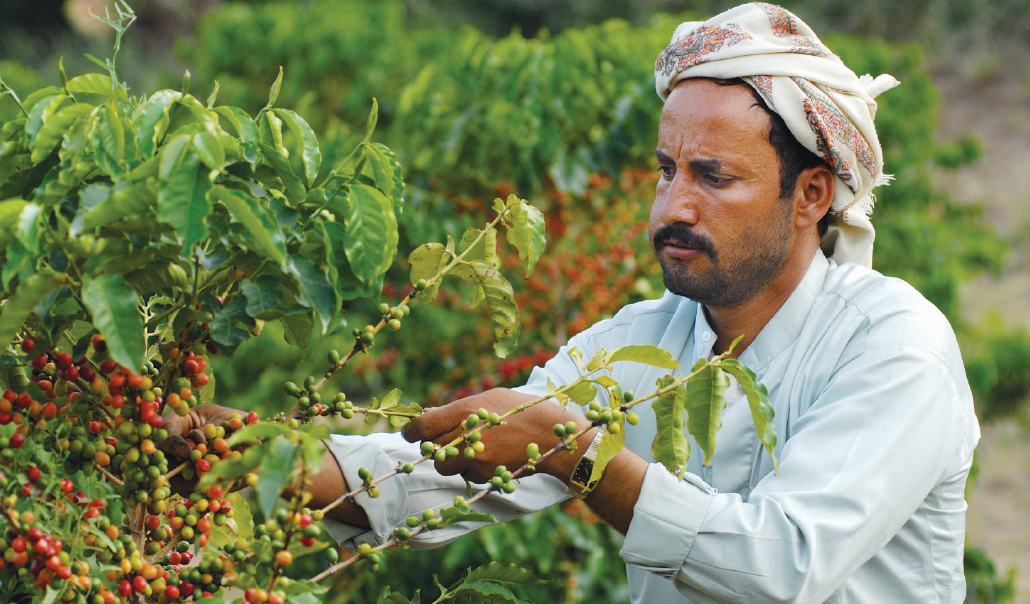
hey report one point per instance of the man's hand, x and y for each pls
(192, 427)
(505, 445)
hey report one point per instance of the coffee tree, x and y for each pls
(143, 235)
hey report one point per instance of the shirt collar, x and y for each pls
(781, 330)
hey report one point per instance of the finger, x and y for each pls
(197, 436)
(433, 423)
(176, 446)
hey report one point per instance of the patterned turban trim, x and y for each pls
(827, 107)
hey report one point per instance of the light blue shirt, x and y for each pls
(876, 436)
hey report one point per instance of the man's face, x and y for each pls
(718, 226)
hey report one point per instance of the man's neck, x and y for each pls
(749, 318)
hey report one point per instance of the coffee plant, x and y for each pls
(144, 235)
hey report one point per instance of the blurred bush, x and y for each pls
(569, 120)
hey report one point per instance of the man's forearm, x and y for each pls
(326, 486)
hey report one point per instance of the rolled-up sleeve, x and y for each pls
(858, 465)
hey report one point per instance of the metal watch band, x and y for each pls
(579, 482)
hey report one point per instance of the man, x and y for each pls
(767, 155)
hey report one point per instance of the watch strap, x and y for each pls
(579, 482)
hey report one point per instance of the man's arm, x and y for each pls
(326, 486)
(612, 499)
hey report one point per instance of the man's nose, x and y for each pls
(681, 202)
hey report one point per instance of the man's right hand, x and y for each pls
(192, 427)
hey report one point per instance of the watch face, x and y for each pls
(582, 473)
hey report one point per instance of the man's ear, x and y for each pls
(813, 195)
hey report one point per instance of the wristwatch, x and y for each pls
(579, 483)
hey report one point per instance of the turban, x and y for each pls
(825, 105)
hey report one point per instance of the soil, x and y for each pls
(982, 100)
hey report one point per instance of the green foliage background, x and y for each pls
(569, 121)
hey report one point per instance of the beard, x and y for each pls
(736, 274)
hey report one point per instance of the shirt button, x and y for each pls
(706, 336)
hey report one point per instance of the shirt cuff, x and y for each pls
(385, 512)
(666, 519)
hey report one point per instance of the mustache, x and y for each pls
(683, 237)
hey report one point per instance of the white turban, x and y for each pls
(825, 105)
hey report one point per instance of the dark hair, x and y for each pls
(794, 157)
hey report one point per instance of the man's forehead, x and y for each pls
(712, 121)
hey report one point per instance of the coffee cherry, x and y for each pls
(632, 418)
(283, 558)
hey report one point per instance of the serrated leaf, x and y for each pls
(611, 445)
(527, 233)
(449, 516)
(671, 446)
(83, 86)
(113, 305)
(26, 297)
(484, 250)
(152, 120)
(51, 133)
(643, 353)
(371, 232)
(275, 472)
(262, 294)
(706, 400)
(182, 200)
(316, 292)
(305, 145)
(257, 219)
(758, 398)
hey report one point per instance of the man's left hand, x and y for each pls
(504, 445)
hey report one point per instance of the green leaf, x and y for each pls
(113, 305)
(449, 516)
(257, 219)
(297, 329)
(502, 572)
(273, 92)
(611, 445)
(52, 132)
(316, 291)
(258, 431)
(270, 127)
(10, 211)
(388, 597)
(262, 294)
(371, 232)
(276, 469)
(19, 306)
(182, 200)
(209, 149)
(125, 200)
(304, 147)
(152, 120)
(500, 302)
(706, 400)
(582, 393)
(387, 173)
(644, 353)
(85, 87)
(29, 231)
(42, 111)
(51, 595)
(427, 261)
(490, 592)
(224, 329)
(412, 410)
(758, 398)
(243, 126)
(527, 233)
(391, 399)
(671, 446)
(373, 119)
(483, 251)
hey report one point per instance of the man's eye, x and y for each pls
(667, 171)
(716, 180)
